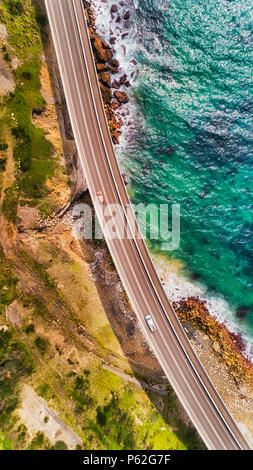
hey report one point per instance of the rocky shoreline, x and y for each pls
(228, 346)
(107, 67)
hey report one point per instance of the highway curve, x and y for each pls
(170, 344)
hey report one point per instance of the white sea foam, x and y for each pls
(123, 51)
(176, 285)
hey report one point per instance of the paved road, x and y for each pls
(170, 344)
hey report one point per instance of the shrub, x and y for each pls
(38, 441)
(2, 162)
(20, 133)
(41, 344)
(30, 328)
(7, 57)
(80, 395)
(43, 389)
(114, 426)
(8, 281)
(78, 447)
(27, 75)
(10, 203)
(41, 18)
(15, 7)
(15, 363)
(60, 445)
(3, 146)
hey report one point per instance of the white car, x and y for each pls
(150, 323)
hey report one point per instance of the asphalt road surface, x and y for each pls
(169, 343)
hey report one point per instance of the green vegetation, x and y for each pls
(41, 18)
(21, 434)
(81, 395)
(3, 160)
(32, 151)
(15, 7)
(116, 415)
(40, 309)
(114, 426)
(43, 390)
(40, 442)
(60, 445)
(30, 328)
(7, 57)
(3, 157)
(42, 344)
(15, 362)
(3, 146)
(5, 442)
(10, 203)
(38, 268)
(8, 281)
(170, 414)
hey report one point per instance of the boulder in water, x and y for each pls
(121, 96)
(105, 78)
(102, 49)
(242, 312)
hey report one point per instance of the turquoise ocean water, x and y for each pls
(194, 103)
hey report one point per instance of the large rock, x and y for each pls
(105, 44)
(115, 105)
(105, 78)
(121, 96)
(123, 79)
(242, 312)
(115, 139)
(115, 84)
(113, 70)
(106, 93)
(101, 67)
(114, 63)
(114, 66)
(102, 49)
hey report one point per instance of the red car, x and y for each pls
(100, 197)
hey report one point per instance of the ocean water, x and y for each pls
(189, 137)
